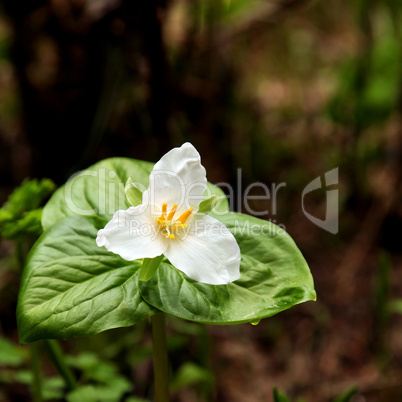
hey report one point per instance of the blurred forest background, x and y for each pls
(286, 90)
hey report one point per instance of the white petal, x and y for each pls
(209, 253)
(133, 234)
(177, 178)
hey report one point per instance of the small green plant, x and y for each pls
(21, 215)
(279, 397)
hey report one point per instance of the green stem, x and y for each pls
(36, 375)
(56, 355)
(160, 356)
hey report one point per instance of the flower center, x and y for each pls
(167, 223)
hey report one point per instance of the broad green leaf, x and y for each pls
(274, 277)
(96, 191)
(71, 287)
(99, 191)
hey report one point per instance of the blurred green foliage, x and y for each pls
(100, 380)
(108, 384)
(279, 397)
(10, 354)
(347, 395)
(21, 214)
(344, 397)
(189, 375)
(378, 98)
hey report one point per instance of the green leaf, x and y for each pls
(99, 191)
(190, 374)
(53, 388)
(133, 194)
(21, 214)
(395, 306)
(135, 399)
(110, 384)
(274, 277)
(347, 395)
(113, 391)
(220, 205)
(86, 393)
(278, 397)
(28, 196)
(71, 287)
(10, 354)
(208, 205)
(149, 267)
(28, 224)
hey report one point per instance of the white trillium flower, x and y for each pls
(167, 223)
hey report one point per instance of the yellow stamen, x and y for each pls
(164, 210)
(185, 215)
(172, 212)
(167, 223)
